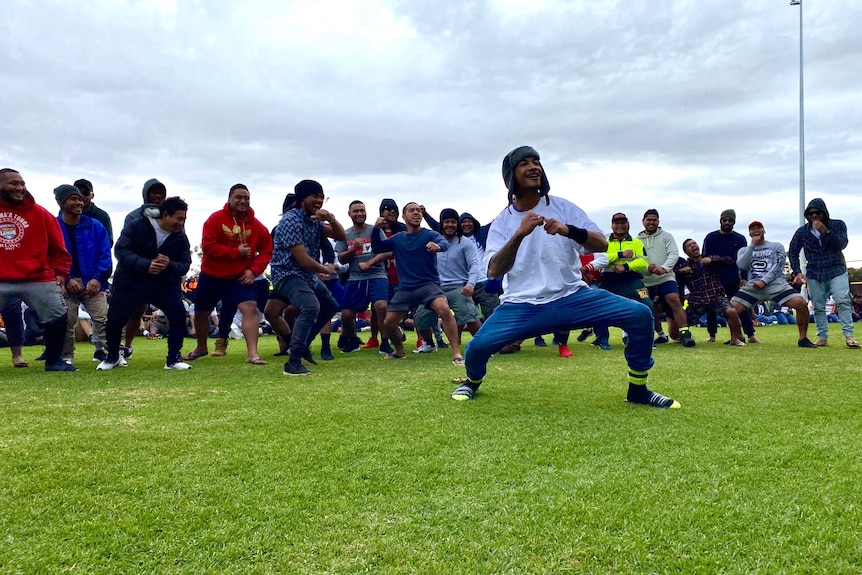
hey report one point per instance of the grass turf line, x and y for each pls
(369, 466)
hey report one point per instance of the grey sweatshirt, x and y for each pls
(460, 265)
(764, 262)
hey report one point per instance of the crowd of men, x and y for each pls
(541, 266)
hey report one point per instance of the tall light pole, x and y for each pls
(801, 122)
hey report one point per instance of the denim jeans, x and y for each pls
(316, 307)
(584, 308)
(839, 288)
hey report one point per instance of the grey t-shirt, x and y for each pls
(363, 254)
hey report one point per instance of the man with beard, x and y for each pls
(419, 282)
(823, 240)
(35, 263)
(367, 284)
(663, 255)
(726, 243)
(623, 274)
(542, 288)
(236, 249)
(764, 262)
(296, 247)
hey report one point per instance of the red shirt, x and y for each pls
(31, 243)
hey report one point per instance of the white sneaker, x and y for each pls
(425, 348)
(106, 365)
(178, 365)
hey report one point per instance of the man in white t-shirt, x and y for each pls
(542, 286)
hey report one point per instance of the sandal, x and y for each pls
(256, 361)
(458, 360)
(394, 356)
(22, 363)
(191, 356)
(851, 343)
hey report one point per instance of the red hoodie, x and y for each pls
(222, 236)
(31, 243)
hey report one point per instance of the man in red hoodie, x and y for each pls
(236, 249)
(35, 262)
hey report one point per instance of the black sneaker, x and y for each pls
(442, 344)
(100, 355)
(805, 342)
(308, 357)
(126, 351)
(41, 357)
(687, 340)
(60, 365)
(540, 342)
(385, 348)
(342, 341)
(326, 354)
(585, 334)
(350, 347)
(291, 368)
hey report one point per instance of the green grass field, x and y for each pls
(369, 467)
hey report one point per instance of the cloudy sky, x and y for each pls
(688, 107)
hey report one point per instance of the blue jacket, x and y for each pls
(94, 250)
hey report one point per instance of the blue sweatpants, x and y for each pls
(584, 308)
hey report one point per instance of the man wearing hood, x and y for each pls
(486, 295)
(154, 194)
(391, 226)
(535, 245)
(236, 249)
(35, 262)
(823, 240)
(459, 269)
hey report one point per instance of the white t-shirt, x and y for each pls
(161, 235)
(547, 267)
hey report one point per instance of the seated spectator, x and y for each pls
(784, 315)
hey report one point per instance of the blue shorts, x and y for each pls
(212, 289)
(358, 295)
(337, 290)
(663, 289)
